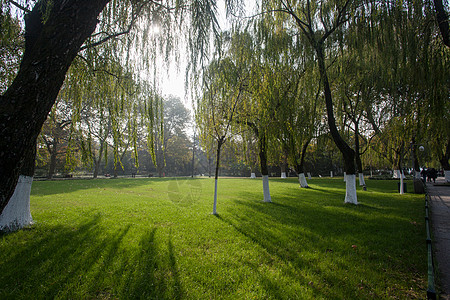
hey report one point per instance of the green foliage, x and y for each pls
(156, 238)
(11, 46)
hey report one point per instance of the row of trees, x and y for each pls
(372, 75)
(108, 49)
(95, 140)
(364, 73)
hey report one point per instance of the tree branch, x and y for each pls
(340, 19)
(442, 20)
(19, 6)
(108, 37)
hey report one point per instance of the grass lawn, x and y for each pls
(157, 239)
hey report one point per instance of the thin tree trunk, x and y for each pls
(300, 168)
(263, 155)
(264, 168)
(98, 161)
(283, 168)
(216, 177)
(50, 48)
(358, 156)
(193, 155)
(400, 167)
(53, 156)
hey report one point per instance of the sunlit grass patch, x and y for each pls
(157, 238)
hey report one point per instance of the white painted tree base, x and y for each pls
(416, 174)
(302, 180)
(266, 190)
(447, 175)
(362, 182)
(396, 174)
(283, 174)
(17, 213)
(350, 189)
(252, 175)
(215, 197)
(401, 185)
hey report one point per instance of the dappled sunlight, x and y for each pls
(148, 240)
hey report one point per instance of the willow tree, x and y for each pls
(11, 46)
(224, 83)
(436, 135)
(354, 84)
(291, 91)
(405, 41)
(257, 112)
(55, 32)
(302, 123)
(318, 21)
(102, 96)
(174, 118)
(54, 133)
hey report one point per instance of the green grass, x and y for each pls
(157, 239)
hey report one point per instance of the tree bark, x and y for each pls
(16, 213)
(357, 152)
(263, 154)
(442, 20)
(220, 142)
(300, 167)
(264, 169)
(50, 48)
(347, 152)
(98, 161)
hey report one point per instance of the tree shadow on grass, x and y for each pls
(85, 262)
(151, 273)
(355, 239)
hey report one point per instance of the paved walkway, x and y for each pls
(440, 222)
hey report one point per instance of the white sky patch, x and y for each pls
(174, 82)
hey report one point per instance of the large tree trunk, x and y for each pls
(50, 48)
(347, 152)
(16, 213)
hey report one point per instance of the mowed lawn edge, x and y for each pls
(156, 238)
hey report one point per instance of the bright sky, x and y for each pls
(174, 83)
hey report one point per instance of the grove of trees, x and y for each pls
(372, 76)
(307, 86)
